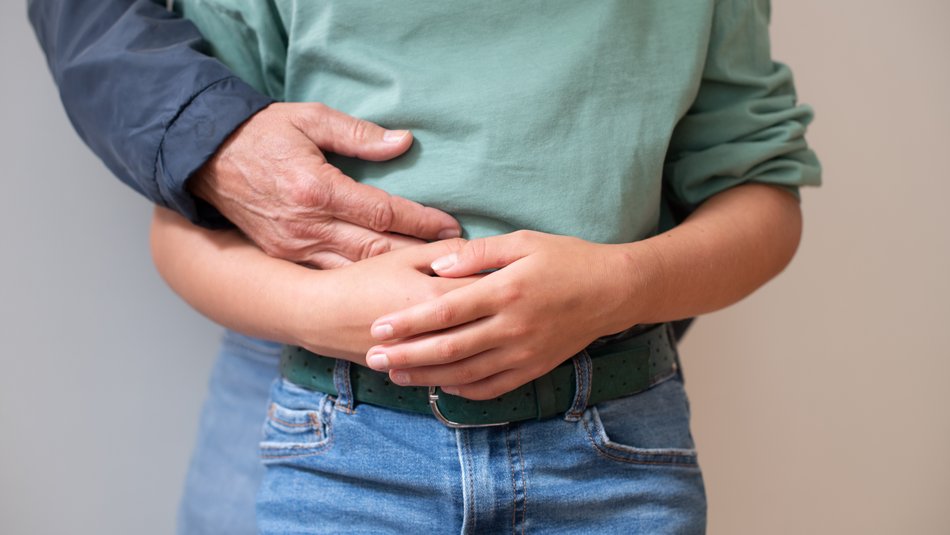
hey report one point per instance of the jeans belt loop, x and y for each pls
(583, 376)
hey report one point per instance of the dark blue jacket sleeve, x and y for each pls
(142, 92)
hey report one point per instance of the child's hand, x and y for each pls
(363, 291)
(552, 296)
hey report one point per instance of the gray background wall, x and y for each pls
(820, 404)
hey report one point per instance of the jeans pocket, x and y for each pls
(651, 427)
(298, 423)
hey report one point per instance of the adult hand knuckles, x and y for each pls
(381, 216)
(361, 131)
(371, 247)
(282, 251)
(320, 190)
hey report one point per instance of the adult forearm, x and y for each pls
(733, 244)
(141, 91)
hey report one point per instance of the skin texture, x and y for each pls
(482, 335)
(271, 179)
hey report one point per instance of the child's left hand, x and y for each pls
(550, 298)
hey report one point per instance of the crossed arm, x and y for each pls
(482, 335)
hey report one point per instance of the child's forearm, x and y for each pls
(731, 245)
(228, 279)
(231, 281)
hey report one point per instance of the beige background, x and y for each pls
(820, 404)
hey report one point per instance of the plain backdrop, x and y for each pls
(820, 404)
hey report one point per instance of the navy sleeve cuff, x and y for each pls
(194, 135)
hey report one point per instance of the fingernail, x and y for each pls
(378, 361)
(450, 390)
(383, 331)
(449, 233)
(445, 262)
(395, 136)
(400, 378)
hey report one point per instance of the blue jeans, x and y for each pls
(225, 471)
(622, 466)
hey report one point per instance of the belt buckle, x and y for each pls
(434, 406)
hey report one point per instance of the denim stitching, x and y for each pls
(323, 433)
(318, 449)
(471, 481)
(271, 414)
(583, 378)
(342, 367)
(602, 451)
(511, 470)
(524, 485)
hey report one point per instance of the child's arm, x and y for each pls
(230, 280)
(555, 294)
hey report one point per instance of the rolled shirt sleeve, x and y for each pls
(745, 124)
(142, 92)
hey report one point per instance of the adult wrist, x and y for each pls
(194, 136)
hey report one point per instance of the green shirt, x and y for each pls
(566, 117)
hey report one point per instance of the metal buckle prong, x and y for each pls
(434, 406)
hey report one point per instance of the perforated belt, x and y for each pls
(622, 365)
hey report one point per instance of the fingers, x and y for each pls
(432, 350)
(413, 219)
(455, 308)
(485, 253)
(336, 195)
(340, 133)
(490, 387)
(363, 205)
(476, 378)
(462, 373)
(354, 242)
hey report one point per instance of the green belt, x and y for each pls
(621, 365)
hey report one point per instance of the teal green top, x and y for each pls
(566, 117)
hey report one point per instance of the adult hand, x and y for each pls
(270, 178)
(552, 296)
